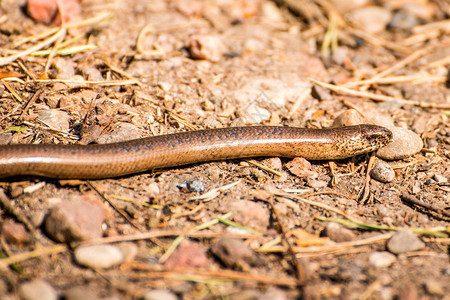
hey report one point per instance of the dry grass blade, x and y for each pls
(193, 274)
(376, 97)
(317, 204)
(35, 253)
(407, 60)
(87, 82)
(164, 233)
(208, 196)
(378, 41)
(12, 91)
(343, 247)
(116, 208)
(9, 59)
(413, 79)
(263, 167)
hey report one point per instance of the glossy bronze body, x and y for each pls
(118, 159)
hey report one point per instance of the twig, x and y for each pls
(407, 60)
(208, 196)
(317, 204)
(31, 102)
(377, 40)
(263, 167)
(194, 274)
(329, 249)
(299, 102)
(440, 231)
(51, 40)
(96, 82)
(116, 208)
(414, 79)
(376, 97)
(125, 74)
(164, 233)
(300, 271)
(5, 202)
(12, 91)
(364, 193)
(35, 253)
(413, 200)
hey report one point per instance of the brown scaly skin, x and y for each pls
(118, 159)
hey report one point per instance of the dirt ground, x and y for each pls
(255, 64)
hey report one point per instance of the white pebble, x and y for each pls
(159, 294)
(382, 259)
(37, 289)
(98, 256)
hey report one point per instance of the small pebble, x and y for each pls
(55, 118)
(446, 271)
(123, 132)
(48, 11)
(348, 118)
(190, 8)
(408, 292)
(187, 255)
(433, 287)
(404, 241)
(316, 184)
(62, 69)
(14, 233)
(92, 74)
(372, 19)
(129, 250)
(250, 214)
(37, 289)
(382, 259)
(440, 179)
(424, 10)
(76, 220)
(159, 295)
(273, 294)
(345, 6)
(338, 233)
(195, 186)
(403, 20)
(233, 253)
(152, 189)
(300, 167)
(270, 92)
(405, 143)
(256, 114)
(98, 256)
(206, 47)
(249, 294)
(383, 172)
(274, 163)
(416, 188)
(5, 138)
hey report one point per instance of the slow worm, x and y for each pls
(118, 159)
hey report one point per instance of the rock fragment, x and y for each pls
(98, 256)
(75, 220)
(338, 233)
(383, 172)
(405, 143)
(404, 241)
(381, 259)
(37, 289)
